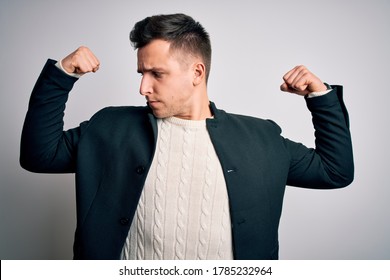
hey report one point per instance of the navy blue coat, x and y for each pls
(112, 152)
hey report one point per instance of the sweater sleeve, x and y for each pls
(45, 147)
(330, 164)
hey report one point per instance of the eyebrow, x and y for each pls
(157, 69)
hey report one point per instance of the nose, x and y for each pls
(145, 87)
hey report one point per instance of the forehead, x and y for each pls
(155, 51)
(157, 45)
(157, 54)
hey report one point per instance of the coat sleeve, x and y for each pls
(330, 164)
(45, 147)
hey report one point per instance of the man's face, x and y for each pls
(167, 80)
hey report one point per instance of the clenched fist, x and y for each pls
(301, 81)
(81, 61)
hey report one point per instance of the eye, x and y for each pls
(156, 74)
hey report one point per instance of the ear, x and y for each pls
(199, 70)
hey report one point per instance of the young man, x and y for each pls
(179, 178)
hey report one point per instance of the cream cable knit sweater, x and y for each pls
(183, 212)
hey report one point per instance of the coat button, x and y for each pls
(140, 170)
(124, 221)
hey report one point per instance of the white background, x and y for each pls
(254, 44)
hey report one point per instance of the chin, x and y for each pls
(160, 115)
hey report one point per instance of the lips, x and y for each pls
(152, 103)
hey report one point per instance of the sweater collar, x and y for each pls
(218, 115)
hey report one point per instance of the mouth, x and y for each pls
(152, 103)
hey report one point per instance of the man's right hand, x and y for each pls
(81, 61)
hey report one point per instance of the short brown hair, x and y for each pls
(182, 31)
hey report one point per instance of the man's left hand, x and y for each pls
(301, 81)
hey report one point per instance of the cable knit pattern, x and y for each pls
(206, 208)
(140, 234)
(183, 197)
(225, 226)
(159, 198)
(183, 211)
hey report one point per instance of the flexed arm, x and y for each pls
(45, 147)
(330, 164)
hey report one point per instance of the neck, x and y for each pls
(199, 109)
(202, 111)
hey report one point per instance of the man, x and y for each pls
(179, 178)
